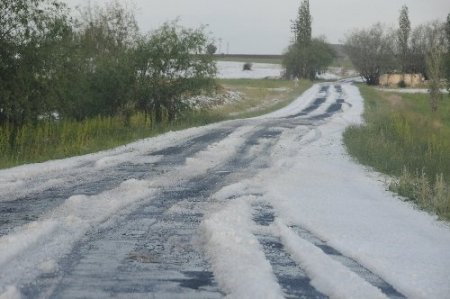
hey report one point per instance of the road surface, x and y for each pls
(269, 207)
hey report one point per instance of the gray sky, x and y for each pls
(263, 26)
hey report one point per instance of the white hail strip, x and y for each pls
(327, 275)
(239, 264)
(49, 239)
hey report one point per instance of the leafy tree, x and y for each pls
(307, 62)
(436, 51)
(371, 52)
(211, 49)
(302, 25)
(172, 63)
(447, 63)
(29, 31)
(98, 67)
(447, 28)
(403, 39)
(418, 50)
(306, 57)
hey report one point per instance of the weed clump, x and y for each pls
(429, 195)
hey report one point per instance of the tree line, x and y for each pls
(424, 49)
(55, 65)
(379, 49)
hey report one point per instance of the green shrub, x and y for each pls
(247, 66)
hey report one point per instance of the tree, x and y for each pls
(29, 31)
(403, 39)
(211, 49)
(418, 50)
(306, 57)
(97, 66)
(447, 31)
(371, 52)
(447, 28)
(173, 63)
(307, 62)
(302, 25)
(436, 51)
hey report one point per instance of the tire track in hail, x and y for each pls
(157, 244)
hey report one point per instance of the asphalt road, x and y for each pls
(152, 247)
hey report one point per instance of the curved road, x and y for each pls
(134, 222)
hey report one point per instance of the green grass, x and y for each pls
(403, 138)
(59, 139)
(261, 96)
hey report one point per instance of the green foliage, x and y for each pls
(436, 54)
(247, 66)
(172, 62)
(422, 50)
(402, 137)
(307, 62)
(371, 52)
(96, 66)
(403, 38)
(29, 31)
(306, 57)
(447, 58)
(302, 25)
(211, 49)
(433, 196)
(50, 139)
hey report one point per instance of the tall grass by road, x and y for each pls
(403, 138)
(50, 139)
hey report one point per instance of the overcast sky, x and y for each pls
(263, 26)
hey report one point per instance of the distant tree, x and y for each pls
(211, 49)
(173, 62)
(371, 52)
(306, 57)
(247, 66)
(403, 39)
(447, 28)
(307, 62)
(302, 25)
(447, 31)
(418, 50)
(435, 58)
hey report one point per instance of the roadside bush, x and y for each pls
(247, 66)
(96, 65)
(30, 31)
(172, 62)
